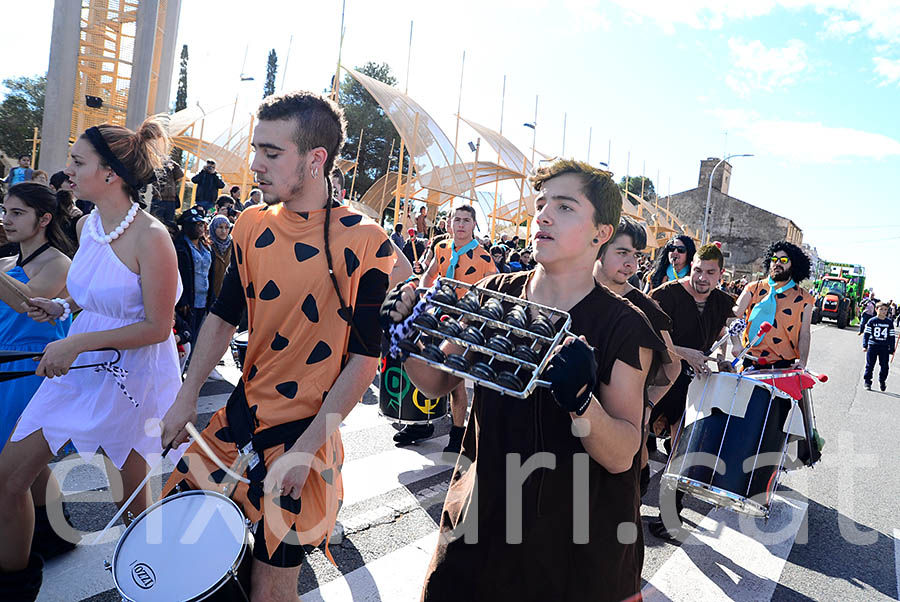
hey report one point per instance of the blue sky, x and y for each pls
(810, 87)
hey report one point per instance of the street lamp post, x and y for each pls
(709, 194)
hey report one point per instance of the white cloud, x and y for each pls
(807, 142)
(838, 26)
(760, 68)
(589, 14)
(888, 70)
(880, 19)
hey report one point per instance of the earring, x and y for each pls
(596, 240)
(315, 172)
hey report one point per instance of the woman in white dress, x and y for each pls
(126, 283)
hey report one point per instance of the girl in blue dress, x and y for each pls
(32, 218)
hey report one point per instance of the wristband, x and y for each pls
(67, 309)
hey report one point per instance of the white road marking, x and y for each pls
(79, 574)
(730, 557)
(897, 558)
(395, 577)
(379, 473)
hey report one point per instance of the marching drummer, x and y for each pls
(782, 302)
(311, 274)
(460, 257)
(618, 262)
(779, 300)
(557, 512)
(699, 310)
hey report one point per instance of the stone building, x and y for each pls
(744, 229)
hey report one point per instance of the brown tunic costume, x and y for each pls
(547, 564)
(690, 328)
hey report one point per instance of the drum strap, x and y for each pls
(243, 425)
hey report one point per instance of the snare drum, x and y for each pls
(239, 348)
(732, 441)
(190, 546)
(401, 401)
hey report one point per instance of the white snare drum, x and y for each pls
(190, 546)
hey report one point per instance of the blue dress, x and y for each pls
(18, 332)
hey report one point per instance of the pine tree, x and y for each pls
(271, 69)
(181, 98)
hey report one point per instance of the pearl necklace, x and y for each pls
(104, 239)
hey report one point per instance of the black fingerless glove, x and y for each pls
(572, 369)
(390, 304)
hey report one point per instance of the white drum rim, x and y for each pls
(721, 498)
(739, 376)
(232, 570)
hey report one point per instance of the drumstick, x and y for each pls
(131, 498)
(212, 455)
(734, 329)
(763, 329)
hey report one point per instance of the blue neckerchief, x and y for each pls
(671, 274)
(764, 311)
(454, 255)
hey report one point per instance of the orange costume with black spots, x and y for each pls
(298, 343)
(783, 341)
(472, 266)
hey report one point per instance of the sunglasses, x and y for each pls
(781, 259)
(681, 250)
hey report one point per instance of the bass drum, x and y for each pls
(732, 442)
(400, 401)
(190, 546)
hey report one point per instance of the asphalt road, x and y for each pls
(832, 535)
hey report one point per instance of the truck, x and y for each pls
(838, 293)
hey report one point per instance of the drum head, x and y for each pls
(241, 338)
(179, 548)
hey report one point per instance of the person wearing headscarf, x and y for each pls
(220, 236)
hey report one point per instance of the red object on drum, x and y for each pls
(762, 361)
(793, 385)
(445, 317)
(765, 327)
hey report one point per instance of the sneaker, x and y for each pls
(659, 530)
(883, 386)
(216, 375)
(411, 433)
(868, 386)
(456, 437)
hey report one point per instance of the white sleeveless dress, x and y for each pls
(89, 406)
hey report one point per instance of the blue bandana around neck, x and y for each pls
(764, 311)
(454, 255)
(671, 274)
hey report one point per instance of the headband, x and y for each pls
(99, 142)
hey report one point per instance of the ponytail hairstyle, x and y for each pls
(134, 156)
(42, 199)
(319, 122)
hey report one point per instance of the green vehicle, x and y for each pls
(838, 293)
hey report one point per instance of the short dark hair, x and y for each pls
(224, 200)
(633, 230)
(498, 249)
(337, 173)
(58, 179)
(799, 259)
(235, 187)
(468, 208)
(319, 122)
(398, 228)
(598, 187)
(24, 156)
(710, 252)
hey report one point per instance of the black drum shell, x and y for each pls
(738, 439)
(400, 401)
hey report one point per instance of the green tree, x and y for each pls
(271, 69)
(20, 112)
(181, 98)
(363, 113)
(634, 186)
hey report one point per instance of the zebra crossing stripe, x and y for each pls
(395, 577)
(730, 556)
